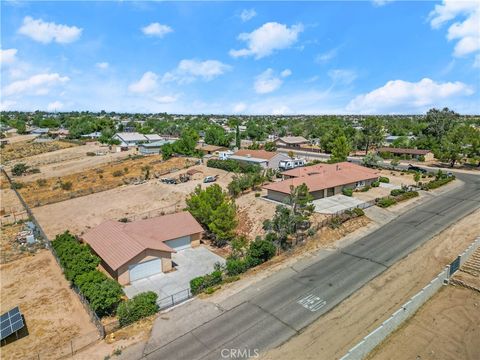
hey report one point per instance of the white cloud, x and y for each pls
(8, 56)
(157, 29)
(381, 2)
(38, 84)
(190, 70)
(46, 32)
(102, 65)
(327, 56)
(466, 31)
(147, 83)
(239, 108)
(247, 14)
(54, 106)
(286, 73)
(267, 82)
(268, 38)
(342, 76)
(165, 99)
(403, 96)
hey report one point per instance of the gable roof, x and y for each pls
(131, 136)
(293, 139)
(323, 176)
(117, 243)
(259, 154)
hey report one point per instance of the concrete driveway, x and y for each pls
(333, 204)
(189, 263)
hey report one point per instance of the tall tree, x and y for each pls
(440, 122)
(372, 131)
(340, 150)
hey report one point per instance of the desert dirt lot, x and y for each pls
(23, 149)
(53, 313)
(68, 161)
(133, 201)
(446, 327)
(333, 334)
(102, 178)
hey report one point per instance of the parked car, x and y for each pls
(209, 179)
(416, 168)
(168, 181)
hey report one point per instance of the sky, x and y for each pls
(361, 57)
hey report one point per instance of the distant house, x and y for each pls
(408, 153)
(39, 131)
(130, 139)
(322, 180)
(93, 135)
(210, 149)
(134, 250)
(153, 137)
(391, 138)
(266, 159)
(60, 133)
(153, 147)
(292, 141)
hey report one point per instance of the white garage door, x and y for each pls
(147, 268)
(180, 243)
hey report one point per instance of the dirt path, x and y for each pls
(446, 327)
(53, 313)
(336, 332)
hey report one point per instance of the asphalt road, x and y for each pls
(271, 316)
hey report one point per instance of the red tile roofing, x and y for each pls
(117, 243)
(258, 154)
(323, 176)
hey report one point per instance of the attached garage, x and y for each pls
(145, 269)
(180, 243)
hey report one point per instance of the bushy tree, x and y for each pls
(372, 131)
(340, 150)
(142, 305)
(371, 160)
(216, 135)
(215, 211)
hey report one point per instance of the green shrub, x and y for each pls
(358, 212)
(396, 192)
(347, 192)
(365, 188)
(437, 183)
(41, 182)
(257, 194)
(196, 285)
(90, 153)
(335, 222)
(384, 179)
(260, 251)
(236, 266)
(67, 185)
(142, 305)
(376, 184)
(117, 173)
(19, 169)
(233, 166)
(17, 185)
(210, 290)
(386, 202)
(407, 195)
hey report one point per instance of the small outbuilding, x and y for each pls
(291, 141)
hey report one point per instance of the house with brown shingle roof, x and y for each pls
(134, 250)
(322, 180)
(408, 153)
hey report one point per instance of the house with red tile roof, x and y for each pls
(322, 180)
(134, 250)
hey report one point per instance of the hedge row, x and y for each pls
(437, 183)
(396, 195)
(233, 166)
(103, 294)
(142, 305)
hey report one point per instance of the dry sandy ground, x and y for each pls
(78, 214)
(331, 336)
(53, 313)
(9, 201)
(24, 149)
(252, 212)
(17, 138)
(67, 161)
(446, 327)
